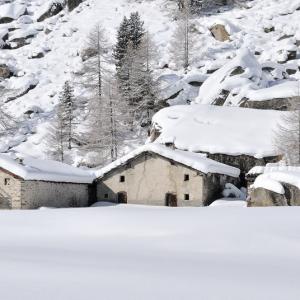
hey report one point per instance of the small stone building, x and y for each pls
(157, 175)
(27, 183)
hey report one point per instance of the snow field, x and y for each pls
(132, 252)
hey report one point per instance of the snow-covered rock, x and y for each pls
(236, 77)
(11, 11)
(215, 129)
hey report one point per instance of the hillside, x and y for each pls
(39, 54)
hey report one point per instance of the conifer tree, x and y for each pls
(67, 101)
(131, 31)
(122, 42)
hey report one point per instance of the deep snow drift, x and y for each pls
(128, 252)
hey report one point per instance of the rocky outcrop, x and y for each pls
(53, 9)
(263, 197)
(220, 100)
(20, 94)
(73, 4)
(220, 33)
(5, 72)
(275, 104)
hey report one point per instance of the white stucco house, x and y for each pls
(28, 183)
(157, 175)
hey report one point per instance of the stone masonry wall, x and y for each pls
(52, 194)
(10, 191)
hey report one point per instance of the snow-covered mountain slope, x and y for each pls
(45, 52)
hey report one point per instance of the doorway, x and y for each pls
(122, 198)
(171, 200)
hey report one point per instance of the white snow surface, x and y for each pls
(229, 202)
(12, 10)
(281, 90)
(273, 177)
(196, 161)
(218, 129)
(30, 168)
(268, 183)
(129, 252)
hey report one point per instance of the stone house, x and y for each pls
(157, 175)
(27, 183)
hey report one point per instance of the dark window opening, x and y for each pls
(171, 200)
(122, 197)
(105, 196)
(6, 181)
(186, 177)
(122, 178)
(186, 197)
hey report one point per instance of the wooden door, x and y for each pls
(122, 197)
(171, 200)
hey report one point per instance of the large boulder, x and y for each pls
(50, 10)
(11, 11)
(264, 197)
(220, 33)
(5, 72)
(292, 194)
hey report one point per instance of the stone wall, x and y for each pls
(10, 191)
(149, 177)
(52, 194)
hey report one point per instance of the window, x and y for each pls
(6, 181)
(122, 178)
(186, 177)
(186, 197)
(105, 196)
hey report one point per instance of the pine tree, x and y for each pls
(136, 83)
(122, 42)
(136, 30)
(131, 31)
(67, 101)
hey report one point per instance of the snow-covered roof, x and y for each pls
(218, 129)
(193, 160)
(29, 168)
